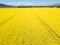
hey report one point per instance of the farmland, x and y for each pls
(29, 26)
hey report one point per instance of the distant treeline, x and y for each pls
(9, 6)
(29, 6)
(38, 6)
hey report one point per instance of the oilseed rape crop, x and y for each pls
(29, 26)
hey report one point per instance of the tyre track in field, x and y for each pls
(49, 29)
(9, 18)
(11, 33)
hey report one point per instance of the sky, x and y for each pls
(29, 2)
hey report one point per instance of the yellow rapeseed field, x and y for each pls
(29, 26)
